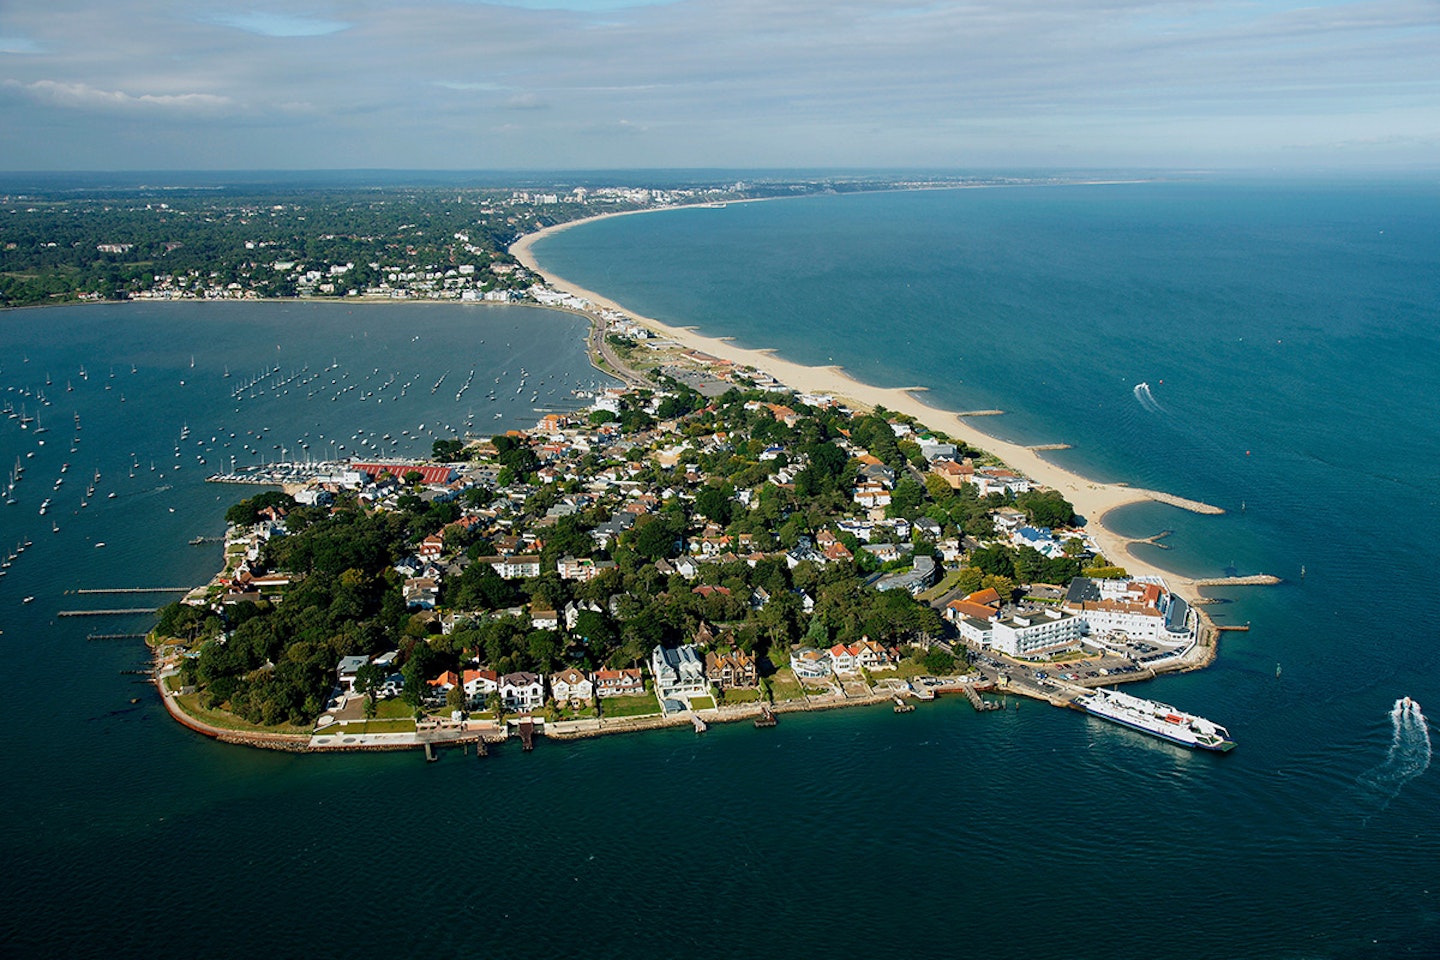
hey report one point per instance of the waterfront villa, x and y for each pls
(731, 668)
(522, 691)
(572, 686)
(618, 683)
(809, 663)
(479, 684)
(679, 673)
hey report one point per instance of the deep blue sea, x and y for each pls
(1290, 337)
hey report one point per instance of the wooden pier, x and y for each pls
(766, 718)
(115, 636)
(133, 611)
(1238, 628)
(527, 734)
(699, 724)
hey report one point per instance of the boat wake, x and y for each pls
(1147, 399)
(1409, 754)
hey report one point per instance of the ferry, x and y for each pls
(1158, 719)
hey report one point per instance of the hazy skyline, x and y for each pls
(163, 84)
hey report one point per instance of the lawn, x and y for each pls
(784, 687)
(742, 695)
(702, 703)
(394, 709)
(638, 705)
(190, 703)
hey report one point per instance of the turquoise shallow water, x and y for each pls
(1036, 833)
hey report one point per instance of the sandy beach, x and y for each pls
(1092, 500)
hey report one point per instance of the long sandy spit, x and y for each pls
(1092, 499)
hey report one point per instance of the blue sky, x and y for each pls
(191, 84)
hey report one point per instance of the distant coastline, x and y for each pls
(1093, 500)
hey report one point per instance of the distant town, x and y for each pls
(395, 243)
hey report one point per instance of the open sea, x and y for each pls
(1287, 337)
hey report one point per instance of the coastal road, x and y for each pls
(600, 348)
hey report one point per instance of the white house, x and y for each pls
(571, 685)
(522, 691)
(679, 673)
(810, 663)
(479, 684)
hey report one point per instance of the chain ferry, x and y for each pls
(1158, 719)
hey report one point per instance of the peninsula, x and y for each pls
(715, 545)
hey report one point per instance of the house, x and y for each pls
(872, 495)
(349, 670)
(877, 473)
(884, 552)
(431, 547)
(932, 449)
(679, 672)
(421, 593)
(618, 683)
(572, 686)
(955, 474)
(583, 569)
(810, 663)
(522, 691)
(731, 668)
(543, 617)
(514, 568)
(874, 656)
(444, 683)
(842, 660)
(479, 684)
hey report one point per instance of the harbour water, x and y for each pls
(1289, 347)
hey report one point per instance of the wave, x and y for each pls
(1147, 399)
(1409, 753)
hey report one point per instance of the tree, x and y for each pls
(455, 698)
(657, 537)
(968, 579)
(1046, 508)
(713, 503)
(937, 661)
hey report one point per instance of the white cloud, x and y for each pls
(85, 97)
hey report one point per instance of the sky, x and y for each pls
(610, 84)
